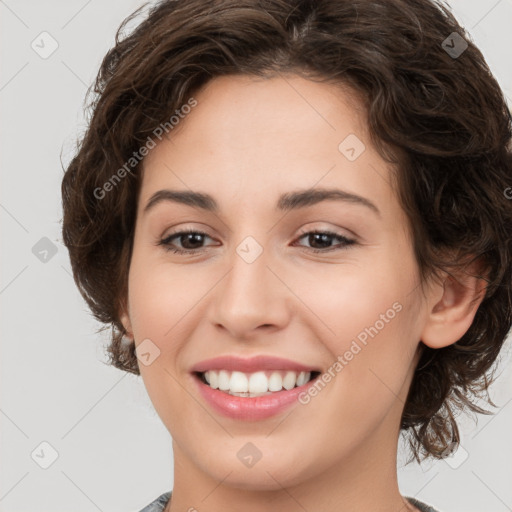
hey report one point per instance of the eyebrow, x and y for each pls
(288, 201)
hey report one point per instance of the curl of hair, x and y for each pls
(443, 121)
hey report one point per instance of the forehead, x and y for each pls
(259, 137)
(232, 109)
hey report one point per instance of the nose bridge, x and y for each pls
(250, 294)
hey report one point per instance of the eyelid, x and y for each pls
(346, 233)
(181, 232)
(345, 241)
(303, 231)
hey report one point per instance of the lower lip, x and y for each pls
(247, 408)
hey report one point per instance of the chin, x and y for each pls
(270, 474)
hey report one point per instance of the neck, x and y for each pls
(365, 479)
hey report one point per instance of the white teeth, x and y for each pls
(239, 383)
(255, 384)
(213, 379)
(223, 380)
(302, 378)
(275, 383)
(289, 380)
(258, 383)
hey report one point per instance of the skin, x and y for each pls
(246, 142)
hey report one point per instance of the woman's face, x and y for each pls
(253, 285)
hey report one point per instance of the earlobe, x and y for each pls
(452, 314)
(127, 326)
(125, 320)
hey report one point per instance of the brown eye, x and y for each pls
(323, 240)
(190, 241)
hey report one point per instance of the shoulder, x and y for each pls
(158, 505)
(423, 507)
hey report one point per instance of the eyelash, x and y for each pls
(166, 242)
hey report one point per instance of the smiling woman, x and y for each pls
(319, 255)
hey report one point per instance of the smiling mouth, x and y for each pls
(259, 383)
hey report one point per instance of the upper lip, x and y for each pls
(252, 364)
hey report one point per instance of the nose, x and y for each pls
(251, 297)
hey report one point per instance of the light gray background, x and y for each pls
(114, 454)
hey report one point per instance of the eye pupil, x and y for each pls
(324, 239)
(196, 238)
(190, 242)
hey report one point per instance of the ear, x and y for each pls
(125, 320)
(452, 305)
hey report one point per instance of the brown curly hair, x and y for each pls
(440, 117)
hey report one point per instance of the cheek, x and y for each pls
(376, 379)
(161, 298)
(371, 363)
(358, 297)
(374, 321)
(158, 296)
